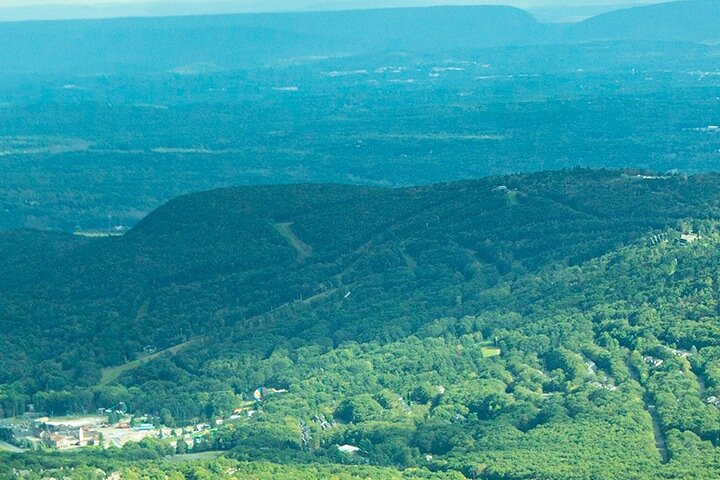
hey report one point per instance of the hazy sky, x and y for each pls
(15, 10)
(300, 3)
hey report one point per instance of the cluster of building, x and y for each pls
(64, 437)
(33, 430)
(112, 427)
(59, 435)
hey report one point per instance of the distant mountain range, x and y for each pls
(241, 41)
(686, 21)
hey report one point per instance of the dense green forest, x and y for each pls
(441, 243)
(152, 464)
(557, 325)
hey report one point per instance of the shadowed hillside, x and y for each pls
(218, 258)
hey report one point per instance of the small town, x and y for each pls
(107, 428)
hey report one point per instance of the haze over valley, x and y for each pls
(432, 95)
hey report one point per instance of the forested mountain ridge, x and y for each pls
(230, 254)
(492, 328)
(688, 21)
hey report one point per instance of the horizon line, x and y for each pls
(156, 9)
